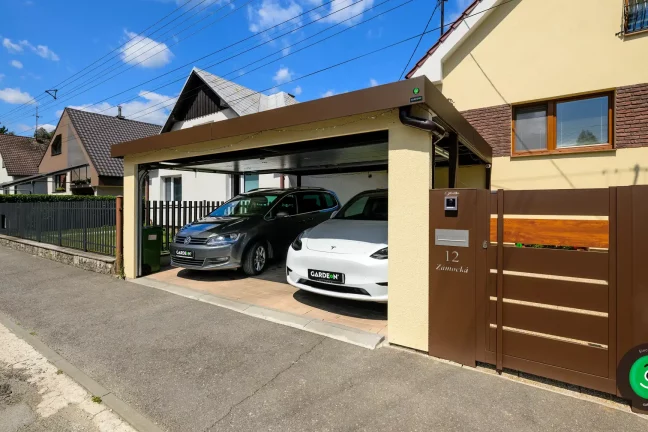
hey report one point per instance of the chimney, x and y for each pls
(119, 113)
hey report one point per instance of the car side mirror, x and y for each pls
(334, 214)
(282, 215)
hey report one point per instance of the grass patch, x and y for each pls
(59, 372)
(33, 333)
(96, 399)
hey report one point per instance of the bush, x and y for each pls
(52, 198)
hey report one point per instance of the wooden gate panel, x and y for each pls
(585, 328)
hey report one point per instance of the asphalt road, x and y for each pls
(191, 366)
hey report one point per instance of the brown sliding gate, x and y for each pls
(548, 282)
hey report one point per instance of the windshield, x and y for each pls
(365, 207)
(256, 205)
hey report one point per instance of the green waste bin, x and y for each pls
(151, 249)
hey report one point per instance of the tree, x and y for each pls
(586, 137)
(5, 131)
(42, 135)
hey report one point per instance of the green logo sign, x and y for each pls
(416, 90)
(632, 377)
(638, 377)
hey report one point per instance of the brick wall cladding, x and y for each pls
(631, 112)
(494, 125)
(631, 121)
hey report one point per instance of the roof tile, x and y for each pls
(21, 155)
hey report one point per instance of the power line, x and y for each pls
(421, 38)
(120, 64)
(99, 59)
(201, 58)
(340, 63)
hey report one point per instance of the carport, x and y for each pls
(407, 128)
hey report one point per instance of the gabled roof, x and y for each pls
(472, 15)
(98, 132)
(242, 100)
(21, 155)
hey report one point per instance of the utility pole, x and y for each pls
(442, 16)
(37, 117)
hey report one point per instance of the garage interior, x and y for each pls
(405, 131)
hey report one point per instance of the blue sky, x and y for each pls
(45, 42)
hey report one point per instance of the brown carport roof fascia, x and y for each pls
(384, 97)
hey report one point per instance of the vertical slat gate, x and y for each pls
(500, 279)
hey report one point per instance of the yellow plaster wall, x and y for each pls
(621, 167)
(535, 49)
(409, 180)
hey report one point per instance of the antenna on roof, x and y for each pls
(442, 16)
(37, 117)
(119, 113)
(52, 93)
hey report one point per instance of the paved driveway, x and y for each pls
(271, 290)
(192, 366)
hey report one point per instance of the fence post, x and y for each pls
(84, 217)
(58, 223)
(39, 220)
(119, 235)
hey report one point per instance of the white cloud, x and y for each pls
(297, 91)
(15, 96)
(145, 52)
(328, 93)
(373, 82)
(48, 127)
(16, 64)
(11, 47)
(40, 50)
(271, 13)
(152, 107)
(283, 75)
(343, 14)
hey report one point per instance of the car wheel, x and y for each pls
(255, 259)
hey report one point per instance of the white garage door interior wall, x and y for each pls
(346, 186)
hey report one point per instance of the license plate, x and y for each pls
(184, 253)
(325, 276)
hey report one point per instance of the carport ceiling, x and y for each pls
(361, 152)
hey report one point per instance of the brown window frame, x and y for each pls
(550, 105)
(57, 145)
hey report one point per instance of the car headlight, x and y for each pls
(297, 244)
(222, 239)
(381, 254)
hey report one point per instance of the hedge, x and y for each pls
(52, 198)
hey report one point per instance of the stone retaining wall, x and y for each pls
(83, 260)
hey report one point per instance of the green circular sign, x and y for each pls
(416, 90)
(632, 377)
(638, 377)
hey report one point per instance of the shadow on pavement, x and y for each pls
(351, 308)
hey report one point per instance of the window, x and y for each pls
(635, 16)
(251, 182)
(565, 125)
(253, 205)
(366, 207)
(172, 188)
(56, 145)
(288, 205)
(59, 183)
(329, 200)
(310, 202)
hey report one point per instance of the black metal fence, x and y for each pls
(85, 225)
(173, 215)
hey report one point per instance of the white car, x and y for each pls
(345, 256)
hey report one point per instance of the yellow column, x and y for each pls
(410, 177)
(130, 218)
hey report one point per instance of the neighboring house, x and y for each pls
(19, 157)
(558, 88)
(207, 98)
(78, 161)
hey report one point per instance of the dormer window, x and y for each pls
(56, 145)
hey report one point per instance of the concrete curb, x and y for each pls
(121, 408)
(334, 331)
